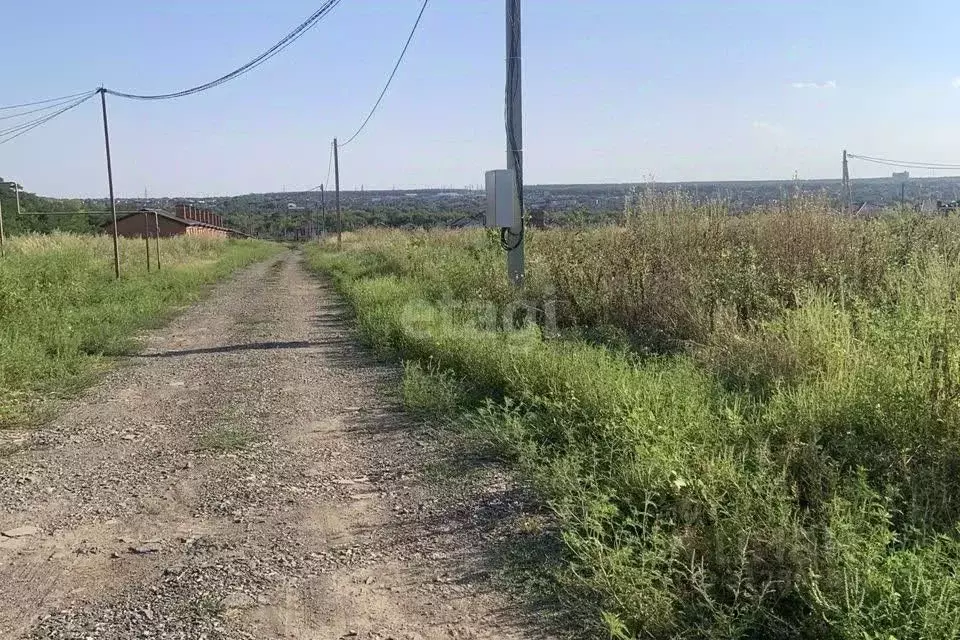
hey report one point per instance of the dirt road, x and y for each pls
(250, 475)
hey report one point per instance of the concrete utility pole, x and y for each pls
(2, 250)
(323, 211)
(113, 201)
(336, 173)
(514, 111)
(847, 197)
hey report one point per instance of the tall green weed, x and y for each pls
(747, 426)
(63, 315)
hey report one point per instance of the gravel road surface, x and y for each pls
(249, 475)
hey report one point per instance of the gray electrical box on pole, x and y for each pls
(501, 184)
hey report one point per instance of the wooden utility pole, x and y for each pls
(146, 236)
(514, 237)
(336, 173)
(3, 238)
(113, 201)
(156, 222)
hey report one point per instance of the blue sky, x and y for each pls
(614, 90)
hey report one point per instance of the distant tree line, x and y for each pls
(30, 203)
(295, 214)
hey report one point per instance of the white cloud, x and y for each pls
(956, 82)
(829, 84)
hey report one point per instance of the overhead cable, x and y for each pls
(329, 166)
(47, 101)
(904, 163)
(47, 117)
(11, 133)
(49, 107)
(390, 79)
(286, 41)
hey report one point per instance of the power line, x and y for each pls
(287, 40)
(15, 132)
(24, 125)
(904, 163)
(36, 122)
(63, 104)
(30, 126)
(390, 79)
(13, 116)
(47, 101)
(329, 166)
(12, 133)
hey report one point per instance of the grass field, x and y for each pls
(63, 315)
(747, 427)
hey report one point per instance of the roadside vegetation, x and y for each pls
(63, 315)
(746, 426)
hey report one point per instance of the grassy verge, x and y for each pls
(769, 451)
(63, 315)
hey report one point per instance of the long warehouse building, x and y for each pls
(187, 220)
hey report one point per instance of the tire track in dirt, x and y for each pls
(250, 475)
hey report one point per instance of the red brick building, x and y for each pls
(187, 220)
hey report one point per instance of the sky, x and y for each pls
(613, 90)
